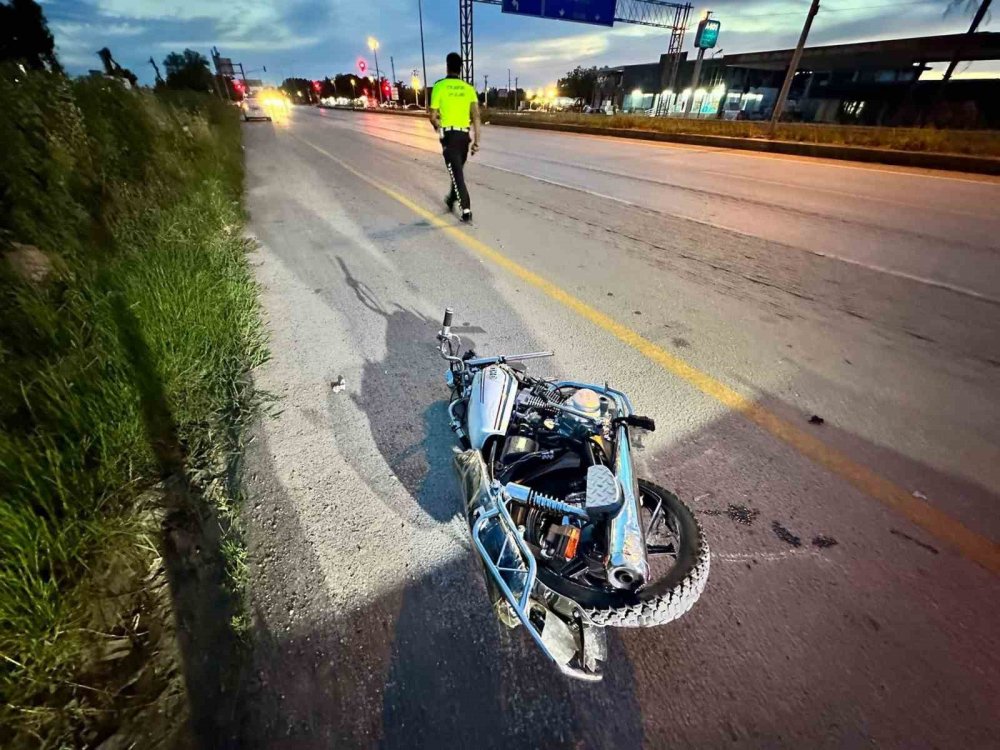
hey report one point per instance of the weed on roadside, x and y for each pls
(123, 373)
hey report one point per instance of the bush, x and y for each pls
(126, 362)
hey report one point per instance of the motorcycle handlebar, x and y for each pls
(447, 317)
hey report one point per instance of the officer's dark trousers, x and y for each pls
(456, 150)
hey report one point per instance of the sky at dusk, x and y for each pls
(315, 38)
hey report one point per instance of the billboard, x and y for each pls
(224, 66)
(600, 12)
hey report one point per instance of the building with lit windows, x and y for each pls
(891, 82)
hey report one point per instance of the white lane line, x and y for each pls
(819, 253)
(848, 194)
(745, 557)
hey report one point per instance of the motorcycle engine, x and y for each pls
(586, 402)
(551, 441)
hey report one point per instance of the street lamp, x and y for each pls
(415, 85)
(373, 46)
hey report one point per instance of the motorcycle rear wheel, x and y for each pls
(669, 593)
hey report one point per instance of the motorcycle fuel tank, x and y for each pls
(490, 403)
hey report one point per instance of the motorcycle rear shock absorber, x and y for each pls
(529, 497)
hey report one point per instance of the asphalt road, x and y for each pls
(851, 601)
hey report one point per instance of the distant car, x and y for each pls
(253, 109)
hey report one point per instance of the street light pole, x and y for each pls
(515, 93)
(373, 46)
(423, 57)
(779, 105)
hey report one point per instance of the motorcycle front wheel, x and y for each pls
(678, 557)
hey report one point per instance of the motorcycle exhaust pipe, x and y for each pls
(626, 565)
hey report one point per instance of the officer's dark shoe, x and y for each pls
(467, 215)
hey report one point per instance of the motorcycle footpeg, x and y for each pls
(604, 496)
(642, 423)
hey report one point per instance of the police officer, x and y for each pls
(454, 109)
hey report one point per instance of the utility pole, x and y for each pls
(515, 93)
(779, 105)
(508, 86)
(392, 64)
(373, 46)
(486, 91)
(423, 57)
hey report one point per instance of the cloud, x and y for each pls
(321, 37)
(563, 49)
(274, 44)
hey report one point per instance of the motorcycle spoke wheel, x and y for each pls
(678, 558)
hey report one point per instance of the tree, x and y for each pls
(579, 83)
(188, 70)
(25, 36)
(298, 89)
(347, 85)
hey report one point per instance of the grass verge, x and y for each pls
(974, 142)
(128, 324)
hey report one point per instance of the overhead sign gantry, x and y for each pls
(657, 13)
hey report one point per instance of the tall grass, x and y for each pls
(127, 362)
(977, 142)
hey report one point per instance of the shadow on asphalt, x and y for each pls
(423, 665)
(401, 395)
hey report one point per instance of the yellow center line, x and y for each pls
(936, 522)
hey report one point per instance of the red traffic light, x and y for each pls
(317, 85)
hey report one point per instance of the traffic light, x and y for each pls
(317, 86)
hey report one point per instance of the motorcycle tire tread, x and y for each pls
(672, 603)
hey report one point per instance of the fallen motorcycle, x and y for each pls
(571, 540)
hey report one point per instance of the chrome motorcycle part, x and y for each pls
(512, 573)
(627, 566)
(626, 563)
(491, 401)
